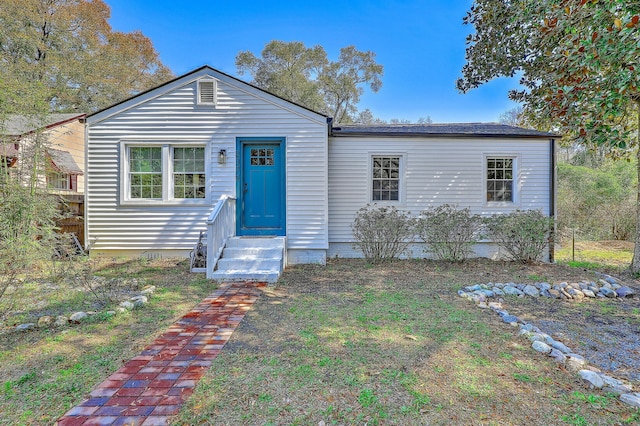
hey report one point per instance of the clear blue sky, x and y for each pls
(420, 43)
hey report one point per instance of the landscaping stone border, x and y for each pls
(607, 287)
(134, 302)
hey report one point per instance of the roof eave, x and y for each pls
(442, 135)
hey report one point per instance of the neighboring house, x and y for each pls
(209, 152)
(65, 147)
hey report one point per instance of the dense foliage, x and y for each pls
(68, 47)
(577, 60)
(450, 232)
(382, 233)
(597, 203)
(523, 234)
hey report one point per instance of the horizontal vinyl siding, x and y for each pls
(436, 171)
(174, 116)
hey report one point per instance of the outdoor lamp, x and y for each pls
(222, 156)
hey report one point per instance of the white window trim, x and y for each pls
(59, 176)
(167, 173)
(402, 178)
(215, 91)
(517, 181)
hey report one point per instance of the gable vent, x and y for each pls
(207, 92)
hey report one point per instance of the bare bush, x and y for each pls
(449, 232)
(523, 234)
(382, 233)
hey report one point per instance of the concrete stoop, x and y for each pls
(251, 259)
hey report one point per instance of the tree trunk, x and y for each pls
(635, 262)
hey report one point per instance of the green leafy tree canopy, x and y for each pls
(577, 60)
(69, 46)
(306, 76)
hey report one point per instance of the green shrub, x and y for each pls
(382, 233)
(523, 234)
(598, 203)
(449, 232)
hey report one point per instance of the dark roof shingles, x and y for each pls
(440, 129)
(17, 125)
(64, 162)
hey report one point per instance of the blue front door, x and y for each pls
(261, 187)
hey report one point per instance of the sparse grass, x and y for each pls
(45, 372)
(344, 344)
(601, 255)
(390, 344)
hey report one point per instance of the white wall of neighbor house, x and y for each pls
(434, 171)
(171, 115)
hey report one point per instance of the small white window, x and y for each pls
(500, 179)
(207, 92)
(386, 178)
(188, 172)
(58, 180)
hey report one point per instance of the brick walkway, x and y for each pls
(151, 387)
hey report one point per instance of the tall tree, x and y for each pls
(306, 76)
(578, 60)
(69, 46)
(512, 117)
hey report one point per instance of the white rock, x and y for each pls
(541, 347)
(126, 305)
(25, 327)
(139, 301)
(512, 291)
(631, 399)
(561, 347)
(78, 316)
(495, 305)
(536, 337)
(61, 321)
(575, 362)
(149, 290)
(618, 389)
(558, 356)
(593, 378)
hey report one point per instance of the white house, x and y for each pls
(208, 152)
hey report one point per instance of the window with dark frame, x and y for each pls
(385, 178)
(499, 179)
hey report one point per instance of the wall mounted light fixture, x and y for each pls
(222, 156)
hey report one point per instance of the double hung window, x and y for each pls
(500, 179)
(165, 172)
(385, 178)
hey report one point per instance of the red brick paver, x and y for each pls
(151, 387)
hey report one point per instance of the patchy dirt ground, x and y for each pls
(605, 331)
(351, 343)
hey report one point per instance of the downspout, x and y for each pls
(552, 198)
(85, 194)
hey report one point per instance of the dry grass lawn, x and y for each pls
(393, 344)
(343, 344)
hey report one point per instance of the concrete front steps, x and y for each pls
(251, 259)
